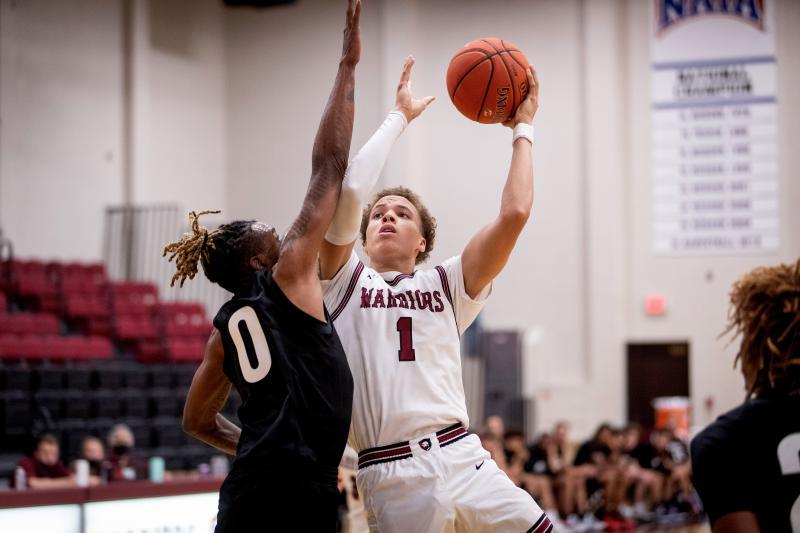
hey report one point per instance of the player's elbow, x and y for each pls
(515, 216)
(192, 424)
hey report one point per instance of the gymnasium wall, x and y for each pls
(71, 118)
(697, 288)
(60, 136)
(224, 105)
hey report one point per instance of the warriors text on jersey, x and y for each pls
(292, 374)
(749, 460)
(401, 336)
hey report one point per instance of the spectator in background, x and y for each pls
(592, 465)
(494, 426)
(516, 454)
(647, 484)
(569, 481)
(680, 479)
(538, 473)
(44, 469)
(125, 465)
(93, 451)
(494, 446)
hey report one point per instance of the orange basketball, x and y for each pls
(486, 80)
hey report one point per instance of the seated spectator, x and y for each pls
(493, 425)
(647, 484)
(44, 470)
(516, 454)
(93, 451)
(594, 463)
(124, 464)
(570, 481)
(494, 446)
(680, 479)
(538, 471)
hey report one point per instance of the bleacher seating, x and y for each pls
(79, 353)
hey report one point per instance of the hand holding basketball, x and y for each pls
(351, 47)
(404, 101)
(527, 109)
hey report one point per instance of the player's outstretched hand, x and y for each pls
(404, 101)
(527, 109)
(351, 48)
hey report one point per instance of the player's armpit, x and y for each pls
(207, 395)
(332, 258)
(738, 522)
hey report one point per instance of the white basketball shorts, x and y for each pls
(453, 487)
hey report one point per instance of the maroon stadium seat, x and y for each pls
(185, 349)
(133, 298)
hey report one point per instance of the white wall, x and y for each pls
(697, 288)
(178, 104)
(63, 124)
(281, 65)
(60, 136)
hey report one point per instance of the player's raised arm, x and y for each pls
(488, 251)
(206, 398)
(296, 269)
(362, 174)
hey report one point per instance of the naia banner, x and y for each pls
(714, 151)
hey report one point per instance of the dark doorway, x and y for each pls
(655, 370)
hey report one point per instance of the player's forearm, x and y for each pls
(360, 178)
(223, 435)
(332, 142)
(517, 199)
(51, 483)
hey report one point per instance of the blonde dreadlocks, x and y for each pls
(765, 311)
(192, 248)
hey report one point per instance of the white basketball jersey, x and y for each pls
(401, 334)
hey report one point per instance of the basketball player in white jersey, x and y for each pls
(419, 468)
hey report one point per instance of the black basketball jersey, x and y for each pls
(749, 460)
(292, 375)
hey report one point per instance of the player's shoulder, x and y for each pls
(262, 285)
(733, 429)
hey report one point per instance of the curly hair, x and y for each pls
(223, 252)
(765, 311)
(428, 228)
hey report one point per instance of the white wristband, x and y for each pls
(523, 130)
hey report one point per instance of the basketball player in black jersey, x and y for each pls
(747, 463)
(274, 342)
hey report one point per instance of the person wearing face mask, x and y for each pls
(93, 451)
(125, 464)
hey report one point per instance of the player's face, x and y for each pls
(268, 248)
(394, 231)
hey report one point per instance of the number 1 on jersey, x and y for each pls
(406, 339)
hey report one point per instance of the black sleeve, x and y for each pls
(722, 470)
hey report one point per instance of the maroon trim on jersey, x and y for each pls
(398, 278)
(349, 292)
(543, 525)
(402, 450)
(445, 284)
